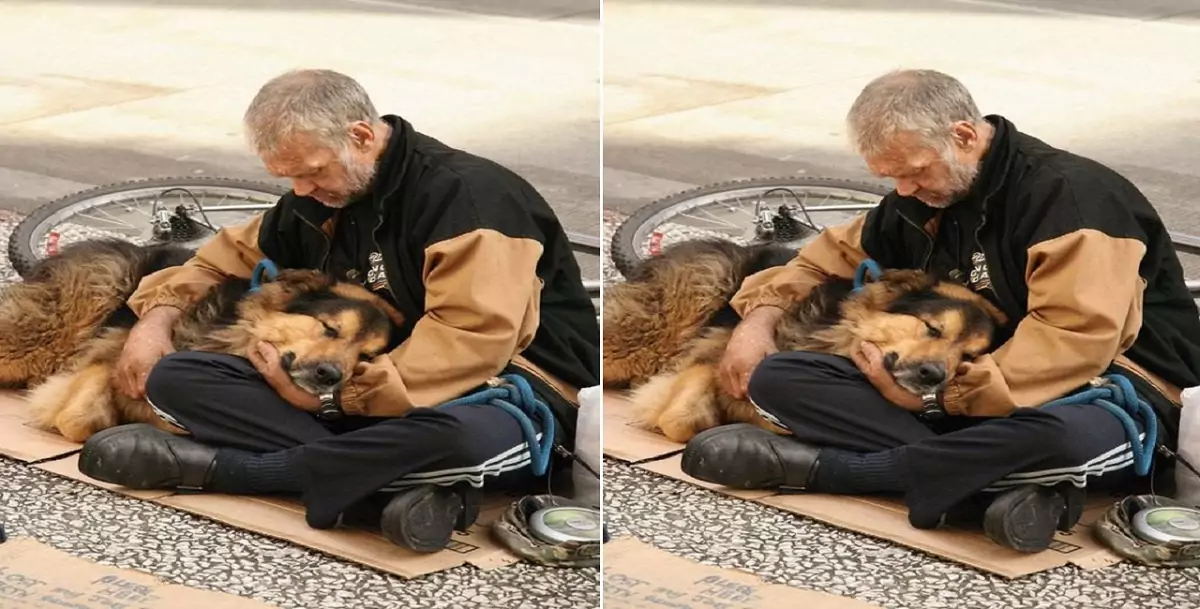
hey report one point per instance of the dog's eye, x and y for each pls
(932, 331)
(969, 357)
(330, 331)
(366, 357)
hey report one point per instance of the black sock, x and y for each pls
(238, 472)
(850, 473)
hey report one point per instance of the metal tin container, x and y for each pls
(1168, 525)
(564, 524)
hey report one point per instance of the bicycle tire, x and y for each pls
(22, 252)
(624, 252)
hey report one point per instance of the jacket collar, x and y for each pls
(392, 166)
(993, 171)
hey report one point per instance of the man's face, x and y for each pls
(322, 173)
(924, 173)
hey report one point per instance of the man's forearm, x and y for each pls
(231, 252)
(836, 252)
(162, 315)
(764, 317)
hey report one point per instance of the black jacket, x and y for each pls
(1071, 251)
(466, 236)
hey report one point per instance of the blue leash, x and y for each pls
(513, 394)
(1113, 393)
(865, 268)
(264, 267)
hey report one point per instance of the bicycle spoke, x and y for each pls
(742, 208)
(109, 219)
(714, 220)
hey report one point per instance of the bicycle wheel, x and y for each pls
(783, 210)
(186, 211)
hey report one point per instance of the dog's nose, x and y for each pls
(931, 373)
(328, 374)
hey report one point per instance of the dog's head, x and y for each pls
(924, 327)
(321, 327)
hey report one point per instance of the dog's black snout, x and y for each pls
(287, 360)
(931, 373)
(328, 374)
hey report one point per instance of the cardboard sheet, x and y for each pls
(877, 517)
(624, 441)
(284, 519)
(36, 576)
(22, 442)
(888, 519)
(639, 576)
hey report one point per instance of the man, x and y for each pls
(466, 250)
(1072, 253)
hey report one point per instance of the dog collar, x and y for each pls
(329, 410)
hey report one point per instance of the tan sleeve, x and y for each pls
(1085, 308)
(233, 251)
(835, 252)
(482, 297)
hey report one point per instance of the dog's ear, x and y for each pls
(296, 281)
(993, 311)
(906, 281)
(354, 292)
(277, 293)
(961, 292)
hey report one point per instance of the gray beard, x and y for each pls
(962, 177)
(358, 179)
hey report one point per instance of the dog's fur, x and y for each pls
(63, 329)
(667, 327)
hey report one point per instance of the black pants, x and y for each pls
(826, 401)
(221, 400)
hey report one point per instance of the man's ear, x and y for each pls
(965, 135)
(362, 135)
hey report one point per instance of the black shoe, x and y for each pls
(424, 517)
(141, 456)
(745, 456)
(1027, 517)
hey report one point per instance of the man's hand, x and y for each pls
(752, 341)
(148, 342)
(869, 360)
(265, 358)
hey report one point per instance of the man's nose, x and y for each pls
(303, 188)
(906, 188)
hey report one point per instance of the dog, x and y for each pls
(62, 330)
(667, 326)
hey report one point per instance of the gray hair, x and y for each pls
(924, 102)
(318, 103)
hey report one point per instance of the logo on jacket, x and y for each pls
(979, 278)
(376, 277)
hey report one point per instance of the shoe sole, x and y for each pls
(422, 520)
(1025, 519)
